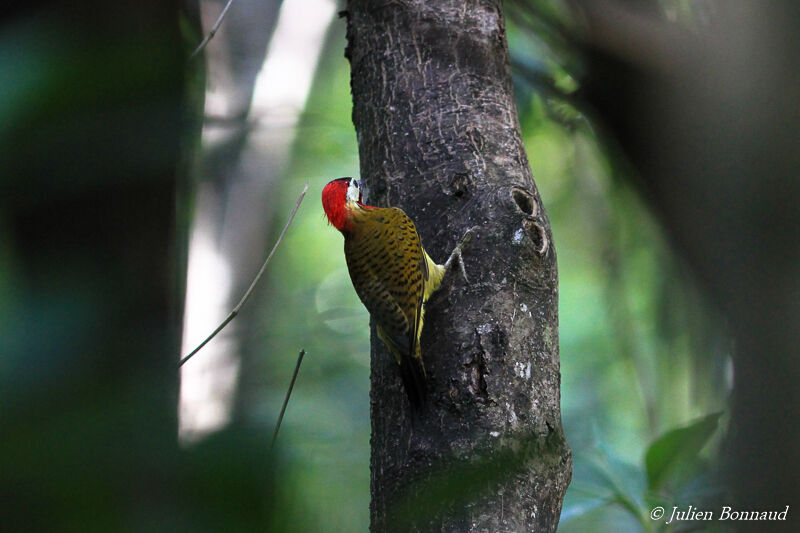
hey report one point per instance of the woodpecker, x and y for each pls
(391, 272)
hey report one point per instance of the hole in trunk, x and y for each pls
(524, 200)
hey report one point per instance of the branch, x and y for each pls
(247, 294)
(213, 31)
(286, 400)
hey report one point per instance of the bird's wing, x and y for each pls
(387, 267)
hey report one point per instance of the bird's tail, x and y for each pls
(413, 375)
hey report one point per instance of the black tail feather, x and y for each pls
(413, 376)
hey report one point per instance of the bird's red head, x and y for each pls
(338, 197)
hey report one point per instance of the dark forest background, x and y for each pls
(663, 140)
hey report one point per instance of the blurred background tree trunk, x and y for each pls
(708, 121)
(236, 169)
(439, 137)
(92, 101)
(260, 66)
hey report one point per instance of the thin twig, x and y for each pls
(247, 294)
(213, 31)
(286, 400)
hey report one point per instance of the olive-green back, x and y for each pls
(388, 270)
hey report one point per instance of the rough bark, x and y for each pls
(439, 137)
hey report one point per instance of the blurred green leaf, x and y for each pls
(624, 481)
(677, 447)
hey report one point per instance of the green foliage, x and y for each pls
(609, 490)
(677, 449)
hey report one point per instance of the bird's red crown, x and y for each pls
(335, 198)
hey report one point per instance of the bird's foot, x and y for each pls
(456, 253)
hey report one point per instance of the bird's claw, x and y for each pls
(456, 253)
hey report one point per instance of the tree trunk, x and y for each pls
(439, 137)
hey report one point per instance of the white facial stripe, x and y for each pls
(353, 193)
